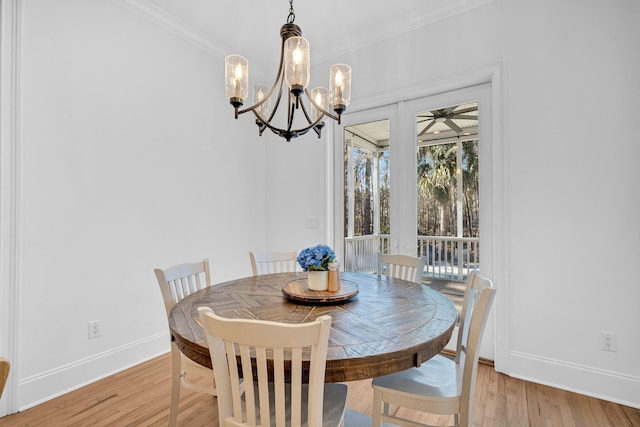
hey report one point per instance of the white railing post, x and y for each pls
(460, 252)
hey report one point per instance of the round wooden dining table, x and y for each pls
(387, 325)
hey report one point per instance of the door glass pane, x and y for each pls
(366, 194)
(448, 208)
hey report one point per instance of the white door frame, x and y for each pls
(9, 196)
(494, 188)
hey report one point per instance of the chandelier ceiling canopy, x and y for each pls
(294, 74)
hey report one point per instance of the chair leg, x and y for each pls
(175, 385)
(377, 408)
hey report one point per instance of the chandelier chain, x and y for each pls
(292, 15)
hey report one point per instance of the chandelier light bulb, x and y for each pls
(297, 62)
(320, 96)
(237, 79)
(238, 74)
(340, 80)
(260, 99)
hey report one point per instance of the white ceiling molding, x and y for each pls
(186, 25)
(174, 25)
(420, 19)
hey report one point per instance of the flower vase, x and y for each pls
(318, 280)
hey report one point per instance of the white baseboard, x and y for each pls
(599, 383)
(56, 382)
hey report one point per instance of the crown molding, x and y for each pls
(454, 7)
(169, 22)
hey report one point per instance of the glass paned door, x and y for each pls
(363, 180)
(366, 194)
(447, 190)
(453, 158)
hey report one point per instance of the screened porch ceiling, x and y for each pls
(442, 125)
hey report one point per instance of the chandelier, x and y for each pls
(294, 71)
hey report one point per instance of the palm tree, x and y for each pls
(437, 178)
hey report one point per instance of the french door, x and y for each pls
(399, 185)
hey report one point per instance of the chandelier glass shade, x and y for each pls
(292, 82)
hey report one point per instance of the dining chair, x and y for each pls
(177, 282)
(283, 397)
(403, 267)
(4, 373)
(273, 262)
(441, 385)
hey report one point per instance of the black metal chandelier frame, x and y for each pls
(295, 100)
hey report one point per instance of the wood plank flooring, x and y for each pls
(140, 397)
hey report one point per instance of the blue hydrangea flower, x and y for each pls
(316, 258)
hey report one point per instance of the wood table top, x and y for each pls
(389, 326)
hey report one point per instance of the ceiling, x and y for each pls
(333, 27)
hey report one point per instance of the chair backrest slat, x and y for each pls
(279, 387)
(234, 381)
(296, 386)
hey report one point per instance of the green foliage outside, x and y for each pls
(437, 189)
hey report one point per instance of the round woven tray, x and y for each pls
(298, 290)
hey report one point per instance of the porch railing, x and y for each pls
(447, 257)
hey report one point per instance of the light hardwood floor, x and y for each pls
(140, 397)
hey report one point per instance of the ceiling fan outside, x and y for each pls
(447, 117)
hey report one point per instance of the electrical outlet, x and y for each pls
(95, 330)
(609, 342)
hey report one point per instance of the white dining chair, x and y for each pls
(285, 398)
(175, 283)
(403, 267)
(440, 385)
(273, 262)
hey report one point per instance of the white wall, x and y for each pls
(129, 160)
(109, 102)
(570, 88)
(297, 188)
